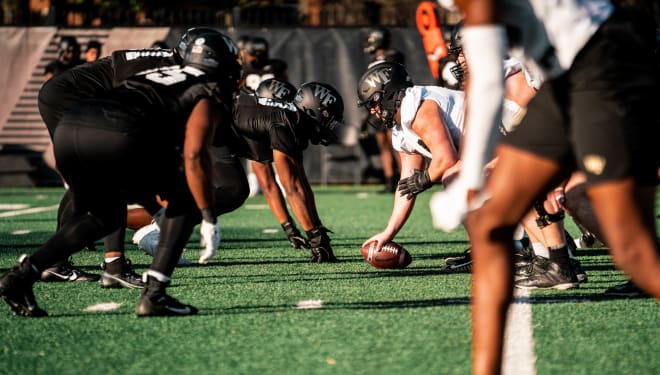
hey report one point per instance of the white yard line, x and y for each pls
(518, 356)
(29, 211)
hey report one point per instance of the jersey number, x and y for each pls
(167, 77)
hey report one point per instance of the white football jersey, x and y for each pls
(450, 102)
(551, 32)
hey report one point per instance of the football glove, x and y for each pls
(319, 243)
(210, 233)
(297, 240)
(409, 187)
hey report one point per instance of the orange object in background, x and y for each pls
(432, 39)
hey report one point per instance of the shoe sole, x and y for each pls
(463, 268)
(143, 312)
(110, 281)
(50, 276)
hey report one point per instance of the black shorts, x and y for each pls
(601, 116)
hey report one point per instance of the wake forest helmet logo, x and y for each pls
(324, 95)
(379, 77)
(279, 89)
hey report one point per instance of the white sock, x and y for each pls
(156, 275)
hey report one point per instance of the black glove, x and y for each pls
(415, 184)
(319, 243)
(297, 240)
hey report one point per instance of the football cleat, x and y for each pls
(16, 289)
(459, 264)
(155, 302)
(125, 278)
(543, 273)
(579, 272)
(65, 271)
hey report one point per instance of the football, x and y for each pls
(392, 255)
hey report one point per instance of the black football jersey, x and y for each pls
(162, 99)
(86, 80)
(262, 125)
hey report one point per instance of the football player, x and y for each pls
(426, 124)
(272, 131)
(110, 138)
(595, 112)
(88, 80)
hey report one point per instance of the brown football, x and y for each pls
(392, 255)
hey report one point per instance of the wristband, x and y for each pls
(208, 214)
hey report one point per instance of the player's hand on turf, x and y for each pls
(210, 233)
(409, 187)
(295, 237)
(319, 243)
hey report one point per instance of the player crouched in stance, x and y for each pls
(110, 138)
(426, 123)
(266, 130)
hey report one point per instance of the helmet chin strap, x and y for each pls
(388, 118)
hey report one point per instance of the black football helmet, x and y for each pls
(68, 48)
(189, 35)
(275, 88)
(258, 48)
(323, 104)
(215, 53)
(378, 38)
(455, 49)
(383, 86)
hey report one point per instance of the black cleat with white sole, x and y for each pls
(155, 302)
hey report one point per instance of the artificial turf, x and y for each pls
(365, 321)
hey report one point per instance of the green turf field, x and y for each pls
(367, 321)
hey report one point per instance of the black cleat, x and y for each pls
(65, 271)
(16, 289)
(462, 263)
(628, 289)
(162, 305)
(579, 272)
(155, 302)
(543, 273)
(125, 278)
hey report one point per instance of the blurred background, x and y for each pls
(320, 40)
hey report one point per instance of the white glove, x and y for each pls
(211, 239)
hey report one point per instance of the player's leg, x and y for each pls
(177, 225)
(625, 214)
(491, 229)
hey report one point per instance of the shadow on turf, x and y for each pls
(405, 304)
